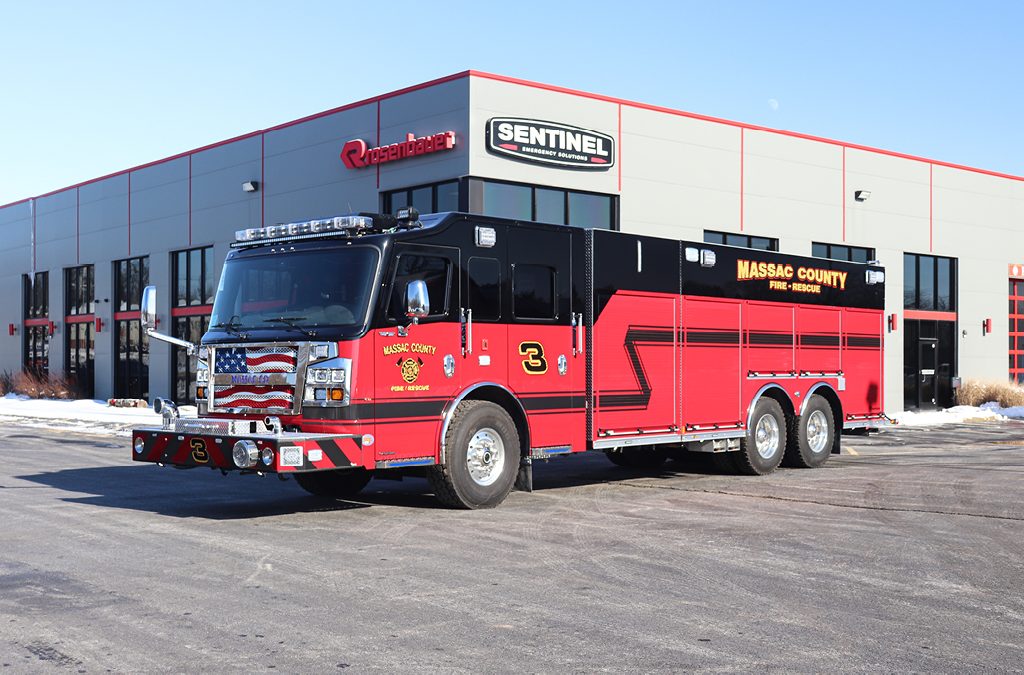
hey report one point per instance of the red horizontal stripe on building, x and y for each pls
(37, 322)
(79, 318)
(197, 310)
(928, 315)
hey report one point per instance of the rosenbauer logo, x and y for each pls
(356, 155)
(550, 143)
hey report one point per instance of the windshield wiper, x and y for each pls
(231, 327)
(290, 322)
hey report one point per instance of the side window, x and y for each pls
(484, 284)
(433, 270)
(533, 292)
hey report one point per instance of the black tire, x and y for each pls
(641, 457)
(453, 482)
(768, 422)
(811, 445)
(340, 484)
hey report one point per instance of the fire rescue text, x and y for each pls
(780, 276)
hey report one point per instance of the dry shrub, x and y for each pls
(41, 385)
(976, 392)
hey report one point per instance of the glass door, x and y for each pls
(927, 364)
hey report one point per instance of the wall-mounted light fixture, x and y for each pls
(250, 186)
(862, 195)
(893, 322)
(986, 326)
(99, 325)
(12, 329)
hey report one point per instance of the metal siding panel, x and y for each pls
(491, 98)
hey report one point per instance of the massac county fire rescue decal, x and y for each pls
(786, 277)
(550, 143)
(409, 366)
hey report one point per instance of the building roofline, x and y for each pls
(536, 85)
(742, 125)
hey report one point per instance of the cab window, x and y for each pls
(435, 271)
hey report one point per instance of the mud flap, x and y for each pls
(524, 479)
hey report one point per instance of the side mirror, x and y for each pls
(148, 308)
(417, 300)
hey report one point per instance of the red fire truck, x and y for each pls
(465, 347)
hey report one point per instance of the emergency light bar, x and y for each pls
(321, 226)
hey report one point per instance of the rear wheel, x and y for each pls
(762, 450)
(481, 457)
(642, 457)
(815, 435)
(339, 484)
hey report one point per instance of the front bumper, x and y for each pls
(209, 443)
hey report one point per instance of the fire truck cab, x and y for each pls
(466, 347)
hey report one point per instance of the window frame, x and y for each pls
(773, 242)
(953, 269)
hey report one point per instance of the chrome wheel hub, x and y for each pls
(817, 431)
(766, 436)
(485, 456)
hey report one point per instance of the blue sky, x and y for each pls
(92, 88)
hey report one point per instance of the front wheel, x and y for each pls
(762, 450)
(339, 484)
(481, 457)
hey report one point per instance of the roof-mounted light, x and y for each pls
(321, 226)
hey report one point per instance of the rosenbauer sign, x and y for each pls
(356, 155)
(550, 143)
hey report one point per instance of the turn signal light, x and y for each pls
(337, 394)
(200, 392)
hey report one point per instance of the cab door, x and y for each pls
(486, 311)
(547, 370)
(414, 365)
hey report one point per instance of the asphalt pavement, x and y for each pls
(906, 556)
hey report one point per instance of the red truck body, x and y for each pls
(581, 339)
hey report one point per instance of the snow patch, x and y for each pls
(84, 415)
(961, 414)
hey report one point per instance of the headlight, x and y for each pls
(326, 376)
(139, 445)
(267, 456)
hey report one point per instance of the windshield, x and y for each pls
(295, 292)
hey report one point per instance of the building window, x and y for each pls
(543, 204)
(1016, 330)
(744, 240)
(36, 323)
(858, 254)
(79, 290)
(192, 304)
(79, 335)
(192, 271)
(435, 198)
(131, 364)
(130, 277)
(929, 283)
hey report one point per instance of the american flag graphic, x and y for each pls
(251, 360)
(253, 396)
(255, 360)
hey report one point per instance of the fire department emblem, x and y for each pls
(410, 368)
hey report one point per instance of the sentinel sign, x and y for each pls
(356, 155)
(550, 143)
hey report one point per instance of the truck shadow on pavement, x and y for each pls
(199, 493)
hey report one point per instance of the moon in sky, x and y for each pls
(773, 104)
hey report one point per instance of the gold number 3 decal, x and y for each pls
(534, 363)
(199, 452)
